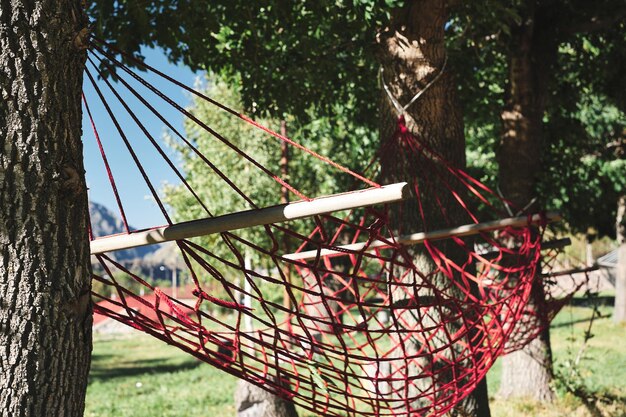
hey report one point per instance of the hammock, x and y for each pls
(385, 305)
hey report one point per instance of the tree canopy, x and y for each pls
(583, 48)
(323, 51)
(316, 59)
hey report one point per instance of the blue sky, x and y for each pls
(141, 210)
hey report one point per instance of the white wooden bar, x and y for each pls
(417, 238)
(545, 245)
(250, 218)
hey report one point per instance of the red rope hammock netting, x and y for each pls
(390, 309)
(552, 291)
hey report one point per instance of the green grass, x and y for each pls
(602, 368)
(136, 375)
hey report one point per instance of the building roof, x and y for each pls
(609, 260)
(144, 304)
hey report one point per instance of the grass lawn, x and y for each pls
(135, 375)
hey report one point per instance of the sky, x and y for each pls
(140, 208)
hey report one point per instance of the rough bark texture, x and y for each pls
(252, 401)
(528, 372)
(619, 314)
(45, 307)
(412, 53)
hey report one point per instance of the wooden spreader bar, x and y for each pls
(417, 238)
(251, 218)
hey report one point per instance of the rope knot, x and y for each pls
(402, 125)
(198, 293)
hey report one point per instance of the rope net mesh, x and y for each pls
(345, 314)
(556, 289)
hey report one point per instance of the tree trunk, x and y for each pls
(252, 401)
(528, 372)
(619, 313)
(412, 53)
(45, 310)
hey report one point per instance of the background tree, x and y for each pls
(542, 51)
(349, 144)
(413, 54)
(45, 312)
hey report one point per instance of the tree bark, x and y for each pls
(528, 372)
(253, 401)
(45, 304)
(412, 53)
(619, 313)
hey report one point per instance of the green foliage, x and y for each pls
(211, 185)
(585, 174)
(316, 60)
(347, 143)
(583, 178)
(585, 104)
(288, 56)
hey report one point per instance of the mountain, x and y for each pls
(104, 222)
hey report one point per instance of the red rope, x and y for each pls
(227, 109)
(106, 166)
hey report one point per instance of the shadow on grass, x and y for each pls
(98, 357)
(598, 403)
(583, 320)
(600, 300)
(105, 371)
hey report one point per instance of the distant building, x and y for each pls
(143, 305)
(608, 266)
